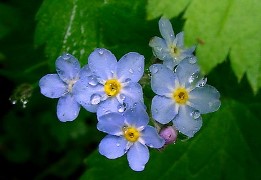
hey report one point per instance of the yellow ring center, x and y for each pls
(131, 134)
(112, 87)
(180, 95)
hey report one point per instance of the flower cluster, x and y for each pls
(111, 89)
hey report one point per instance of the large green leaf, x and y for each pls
(220, 29)
(227, 147)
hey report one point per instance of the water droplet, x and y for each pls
(66, 56)
(192, 60)
(127, 80)
(175, 68)
(193, 77)
(95, 99)
(100, 51)
(139, 68)
(154, 69)
(118, 144)
(131, 71)
(122, 97)
(202, 82)
(195, 114)
(93, 81)
(121, 108)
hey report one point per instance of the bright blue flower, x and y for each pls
(182, 96)
(61, 85)
(113, 86)
(128, 133)
(170, 49)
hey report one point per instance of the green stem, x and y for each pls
(35, 67)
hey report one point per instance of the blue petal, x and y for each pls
(67, 108)
(134, 91)
(205, 99)
(188, 72)
(152, 138)
(186, 123)
(180, 39)
(170, 63)
(108, 106)
(166, 30)
(85, 72)
(136, 117)
(67, 67)
(103, 63)
(112, 147)
(162, 79)
(159, 47)
(138, 155)
(85, 93)
(131, 66)
(111, 123)
(163, 109)
(52, 86)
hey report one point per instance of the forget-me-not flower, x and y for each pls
(170, 49)
(182, 96)
(61, 85)
(113, 85)
(128, 133)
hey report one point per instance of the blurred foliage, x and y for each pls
(33, 33)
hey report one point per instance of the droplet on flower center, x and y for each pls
(180, 95)
(131, 134)
(112, 87)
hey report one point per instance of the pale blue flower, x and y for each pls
(113, 85)
(128, 133)
(170, 49)
(182, 96)
(61, 85)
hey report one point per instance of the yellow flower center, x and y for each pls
(112, 87)
(174, 50)
(180, 95)
(131, 134)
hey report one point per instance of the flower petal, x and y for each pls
(67, 67)
(108, 106)
(136, 116)
(152, 138)
(188, 72)
(131, 66)
(52, 86)
(111, 123)
(166, 30)
(85, 72)
(67, 108)
(112, 147)
(103, 63)
(162, 79)
(134, 91)
(180, 39)
(138, 155)
(185, 123)
(87, 95)
(163, 109)
(205, 99)
(159, 47)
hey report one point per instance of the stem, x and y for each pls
(34, 67)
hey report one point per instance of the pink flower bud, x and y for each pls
(169, 134)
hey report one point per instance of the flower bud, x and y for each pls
(169, 134)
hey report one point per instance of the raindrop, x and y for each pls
(93, 81)
(139, 68)
(121, 108)
(195, 114)
(66, 56)
(127, 80)
(202, 82)
(122, 97)
(13, 101)
(154, 69)
(193, 77)
(131, 71)
(118, 144)
(100, 51)
(95, 99)
(192, 60)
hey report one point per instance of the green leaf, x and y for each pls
(220, 29)
(68, 26)
(227, 147)
(168, 8)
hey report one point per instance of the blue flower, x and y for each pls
(61, 85)
(113, 86)
(182, 96)
(170, 49)
(128, 133)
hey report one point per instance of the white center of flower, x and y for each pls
(70, 84)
